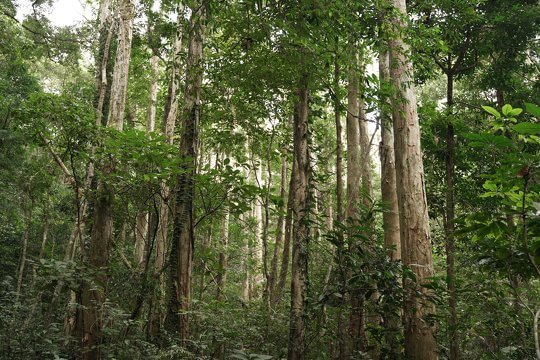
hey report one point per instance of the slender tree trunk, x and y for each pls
(392, 241)
(141, 236)
(342, 333)
(45, 237)
(266, 222)
(413, 212)
(183, 238)
(371, 317)
(245, 266)
(102, 226)
(449, 223)
(280, 227)
(152, 94)
(365, 154)
(117, 107)
(221, 277)
(106, 31)
(73, 319)
(257, 245)
(285, 261)
(353, 142)
(157, 315)
(24, 247)
(301, 228)
(354, 177)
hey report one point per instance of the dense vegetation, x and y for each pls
(271, 179)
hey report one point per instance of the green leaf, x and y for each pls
(515, 112)
(533, 109)
(489, 185)
(527, 128)
(492, 111)
(483, 139)
(506, 109)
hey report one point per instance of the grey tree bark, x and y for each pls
(301, 228)
(356, 334)
(183, 237)
(392, 240)
(280, 228)
(102, 225)
(413, 212)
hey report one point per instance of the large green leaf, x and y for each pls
(527, 128)
(483, 139)
(492, 111)
(533, 109)
(506, 109)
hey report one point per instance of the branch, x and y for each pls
(58, 160)
(440, 64)
(462, 51)
(211, 211)
(46, 37)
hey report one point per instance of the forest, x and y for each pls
(270, 179)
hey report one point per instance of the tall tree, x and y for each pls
(102, 224)
(386, 153)
(169, 124)
(183, 237)
(354, 179)
(301, 227)
(280, 229)
(142, 219)
(392, 240)
(413, 212)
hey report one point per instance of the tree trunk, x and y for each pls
(413, 213)
(354, 177)
(392, 241)
(152, 94)
(287, 239)
(245, 266)
(183, 239)
(102, 226)
(280, 227)
(342, 334)
(301, 228)
(371, 316)
(449, 223)
(257, 245)
(266, 221)
(221, 277)
(24, 246)
(106, 31)
(169, 122)
(365, 154)
(141, 236)
(117, 107)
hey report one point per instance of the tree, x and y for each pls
(301, 232)
(413, 213)
(102, 223)
(183, 238)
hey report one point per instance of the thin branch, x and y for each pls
(48, 38)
